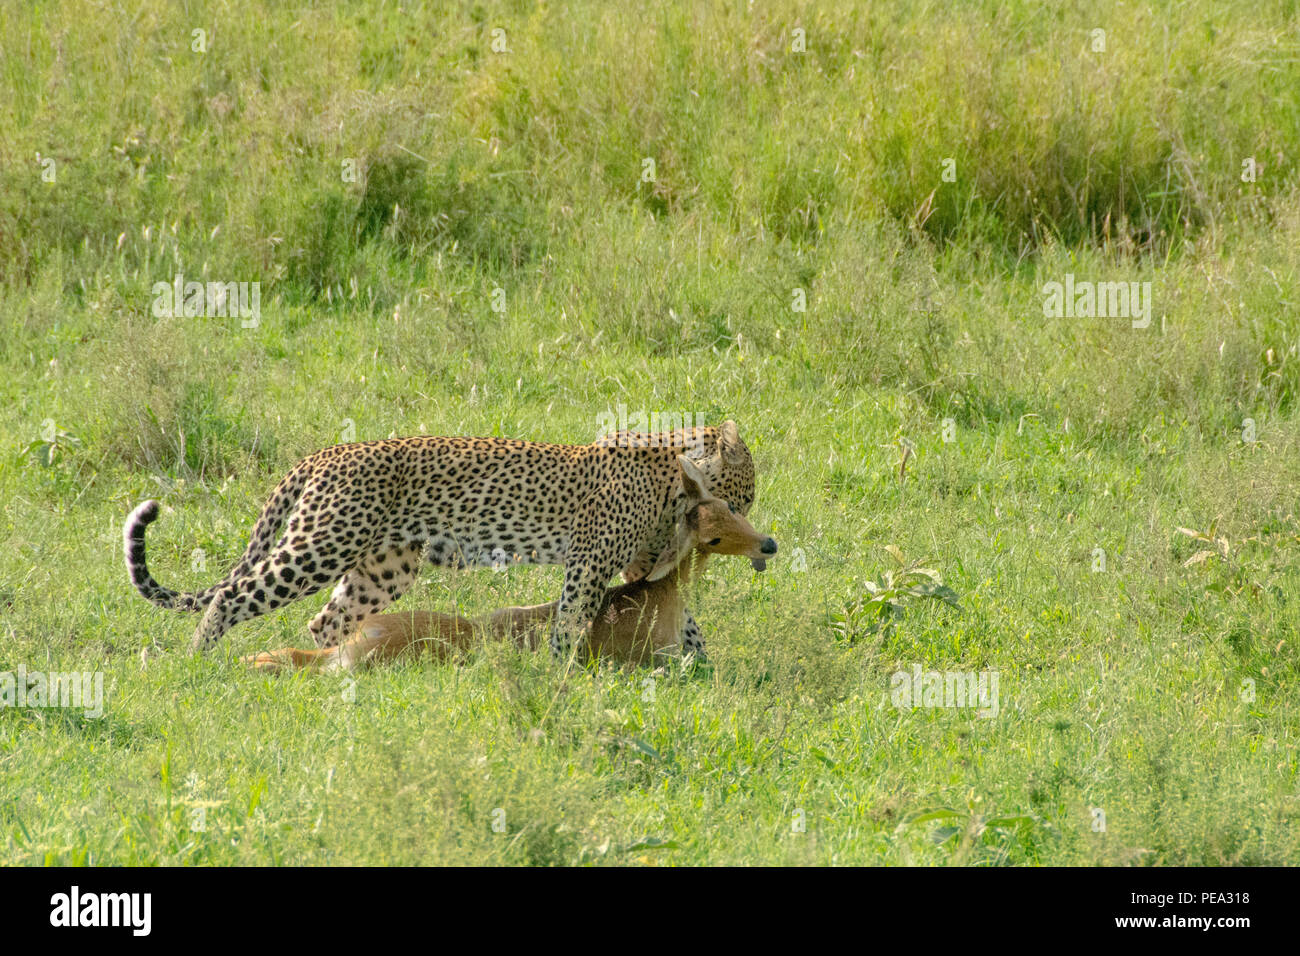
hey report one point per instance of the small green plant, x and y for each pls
(1254, 568)
(1218, 545)
(888, 598)
(962, 831)
(53, 444)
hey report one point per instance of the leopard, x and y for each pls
(639, 622)
(369, 515)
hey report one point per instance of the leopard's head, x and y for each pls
(729, 468)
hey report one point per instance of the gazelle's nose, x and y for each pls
(768, 546)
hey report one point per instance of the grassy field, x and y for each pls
(832, 225)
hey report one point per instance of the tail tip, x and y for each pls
(143, 514)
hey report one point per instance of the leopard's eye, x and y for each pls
(732, 507)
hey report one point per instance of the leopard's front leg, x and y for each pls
(604, 541)
(692, 639)
(585, 579)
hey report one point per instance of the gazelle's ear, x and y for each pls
(729, 442)
(694, 483)
(696, 487)
(683, 541)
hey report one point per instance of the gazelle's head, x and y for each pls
(712, 526)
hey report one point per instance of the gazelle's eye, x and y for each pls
(715, 542)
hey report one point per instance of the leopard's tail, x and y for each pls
(268, 524)
(138, 569)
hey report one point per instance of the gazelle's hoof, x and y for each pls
(264, 661)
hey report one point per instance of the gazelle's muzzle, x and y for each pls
(766, 547)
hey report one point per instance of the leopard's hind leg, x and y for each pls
(373, 585)
(288, 573)
(262, 589)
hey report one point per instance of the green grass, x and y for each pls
(1127, 689)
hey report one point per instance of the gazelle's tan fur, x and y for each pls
(636, 621)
